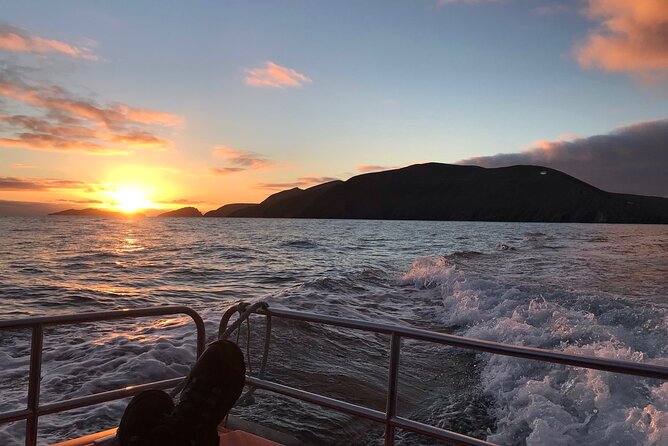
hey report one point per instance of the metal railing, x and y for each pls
(37, 324)
(390, 418)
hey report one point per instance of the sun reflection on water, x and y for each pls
(150, 332)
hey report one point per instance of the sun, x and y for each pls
(130, 199)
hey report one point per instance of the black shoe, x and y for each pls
(213, 386)
(145, 411)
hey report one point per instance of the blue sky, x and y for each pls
(385, 83)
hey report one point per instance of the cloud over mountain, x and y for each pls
(630, 159)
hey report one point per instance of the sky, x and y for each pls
(168, 104)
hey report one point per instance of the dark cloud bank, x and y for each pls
(631, 159)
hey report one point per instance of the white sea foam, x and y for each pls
(546, 404)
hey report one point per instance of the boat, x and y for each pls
(241, 432)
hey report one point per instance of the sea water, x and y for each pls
(599, 290)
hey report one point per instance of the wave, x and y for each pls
(300, 243)
(538, 403)
(457, 255)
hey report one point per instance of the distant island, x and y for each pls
(435, 191)
(183, 212)
(92, 212)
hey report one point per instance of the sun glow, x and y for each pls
(130, 199)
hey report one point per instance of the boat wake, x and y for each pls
(536, 403)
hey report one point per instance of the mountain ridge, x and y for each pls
(435, 191)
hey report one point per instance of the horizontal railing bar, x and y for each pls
(436, 432)
(89, 400)
(17, 415)
(609, 365)
(103, 397)
(69, 319)
(364, 412)
(332, 403)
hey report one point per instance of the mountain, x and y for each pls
(92, 212)
(183, 212)
(436, 191)
(225, 211)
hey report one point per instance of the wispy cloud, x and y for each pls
(274, 76)
(65, 122)
(301, 182)
(630, 159)
(240, 160)
(632, 37)
(226, 170)
(17, 40)
(40, 184)
(366, 168)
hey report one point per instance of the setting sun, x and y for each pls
(130, 199)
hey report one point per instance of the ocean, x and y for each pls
(591, 289)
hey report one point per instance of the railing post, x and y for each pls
(34, 383)
(392, 382)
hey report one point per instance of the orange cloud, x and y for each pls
(240, 160)
(23, 184)
(226, 170)
(139, 139)
(632, 37)
(150, 117)
(46, 142)
(69, 123)
(57, 99)
(17, 40)
(275, 76)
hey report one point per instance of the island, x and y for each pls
(188, 211)
(435, 191)
(93, 212)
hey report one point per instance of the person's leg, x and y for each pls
(145, 411)
(213, 386)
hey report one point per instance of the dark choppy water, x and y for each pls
(592, 289)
